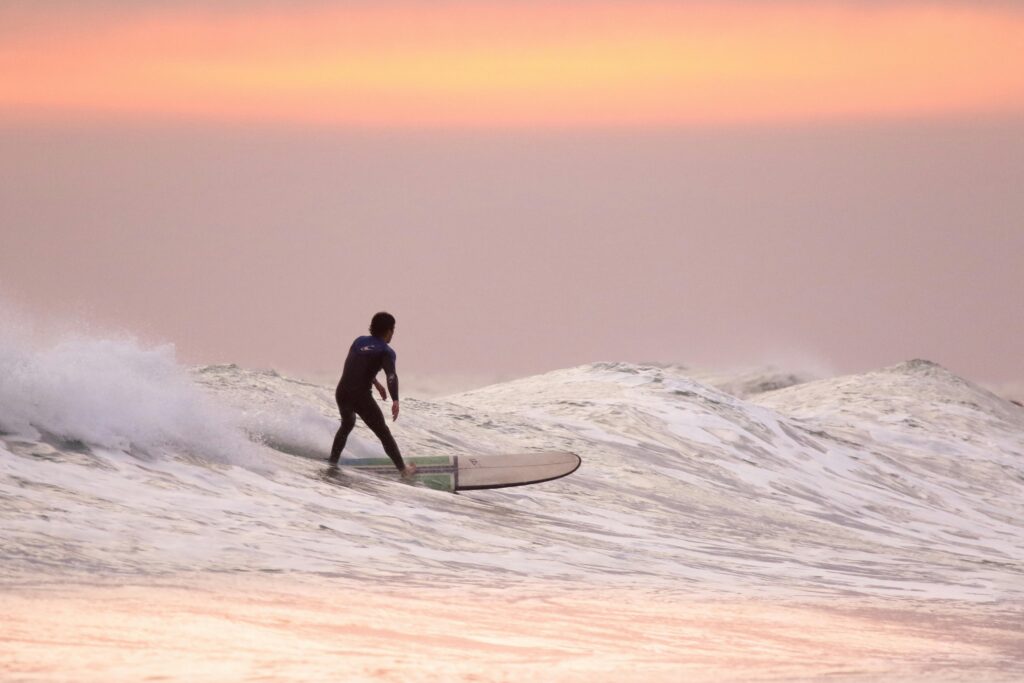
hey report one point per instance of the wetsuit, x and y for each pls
(366, 357)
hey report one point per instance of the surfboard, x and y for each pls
(470, 473)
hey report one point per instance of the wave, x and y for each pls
(112, 393)
(903, 481)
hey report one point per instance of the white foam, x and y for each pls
(818, 488)
(112, 393)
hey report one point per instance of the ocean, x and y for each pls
(169, 522)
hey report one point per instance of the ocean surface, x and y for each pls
(168, 521)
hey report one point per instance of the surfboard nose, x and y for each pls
(518, 469)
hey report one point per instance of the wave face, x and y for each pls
(908, 481)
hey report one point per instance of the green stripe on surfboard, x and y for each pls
(437, 472)
(421, 461)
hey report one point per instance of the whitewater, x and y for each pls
(181, 522)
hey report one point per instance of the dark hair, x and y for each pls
(381, 323)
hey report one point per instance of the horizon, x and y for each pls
(26, 336)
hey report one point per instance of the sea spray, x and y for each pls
(112, 393)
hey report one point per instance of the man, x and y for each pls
(366, 357)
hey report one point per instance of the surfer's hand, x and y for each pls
(410, 469)
(383, 394)
(394, 410)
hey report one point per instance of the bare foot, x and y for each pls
(410, 469)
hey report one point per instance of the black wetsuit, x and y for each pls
(366, 357)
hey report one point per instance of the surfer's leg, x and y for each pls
(374, 419)
(348, 421)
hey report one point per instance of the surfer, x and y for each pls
(366, 357)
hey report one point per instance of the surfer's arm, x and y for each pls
(392, 376)
(380, 388)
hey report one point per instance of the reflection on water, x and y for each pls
(279, 628)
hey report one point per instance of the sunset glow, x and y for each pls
(456, 64)
(288, 631)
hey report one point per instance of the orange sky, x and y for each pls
(489, 64)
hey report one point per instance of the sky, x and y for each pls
(525, 186)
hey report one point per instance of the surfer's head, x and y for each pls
(383, 326)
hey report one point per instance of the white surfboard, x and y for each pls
(468, 473)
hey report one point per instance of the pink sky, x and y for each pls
(801, 182)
